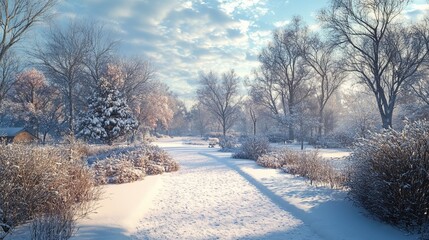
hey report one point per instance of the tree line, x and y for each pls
(370, 45)
(300, 90)
(50, 92)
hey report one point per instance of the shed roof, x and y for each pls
(10, 132)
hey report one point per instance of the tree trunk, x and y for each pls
(44, 137)
(254, 128)
(224, 127)
(386, 110)
(71, 111)
(387, 120)
(291, 132)
(320, 127)
(291, 105)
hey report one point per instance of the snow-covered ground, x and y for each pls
(209, 199)
(118, 212)
(214, 196)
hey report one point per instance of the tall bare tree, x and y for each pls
(282, 80)
(421, 90)
(61, 57)
(100, 52)
(200, 120)
(329, 74)
(73, 58)
(220, 96)
(154, 107)
(9, 67)
(383, 52)
(254, 110)
(138, 75)
(16, 18)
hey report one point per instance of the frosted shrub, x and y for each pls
(75, 148)
(159, 157)
(252, 148)
(228, 143)
(269, 161)
(43, 183)
(306, 164)
(390, 175)
(117, 169)
(53, 227)
(279, 158)
(132, 163)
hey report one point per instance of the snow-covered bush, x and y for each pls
(278, 158)
(75, 148)
(130, 164)
(53, 227)
(117, 169)
(108, 116)
(307, 164)
(228, 143)
(43, 182)
(158, 157)
(390, 175)
(252, 148)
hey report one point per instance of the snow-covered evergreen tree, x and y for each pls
(108, 115)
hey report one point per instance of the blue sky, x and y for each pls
(183, 37)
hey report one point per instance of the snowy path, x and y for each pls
(216, 197)
(211, 199)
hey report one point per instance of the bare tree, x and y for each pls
(221, 97)
(154, 106)
(254, 117)
(421, 90)
(100, 51)
(255, 111)
(329, 74)
(200, 120)
(17, 17)
(37, 102)
(282, 80)
(9, 67)
(138, 73)
(383, 53)
(64, 56)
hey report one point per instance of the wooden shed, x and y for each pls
(16, 135)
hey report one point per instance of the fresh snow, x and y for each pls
(209, 199)
(214, 196)
(118, 212)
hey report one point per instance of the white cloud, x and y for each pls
(417, 11)
(256, 7)
(280, 24)
(185, 37)
(315, 27)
